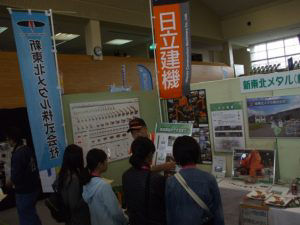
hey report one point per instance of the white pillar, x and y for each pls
(228, 54)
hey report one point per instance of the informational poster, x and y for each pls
(104, 125)
(228, 126)
(219, 166)
(193, 109)
(5, 161)
(165, 135)
(274, 116)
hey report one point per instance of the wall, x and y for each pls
(242, 56)
(267, 17)
(149, 110)
(204, 53)
(140, 50)
(81, 74)
(217, 56)
(229, 90)
(205, 23)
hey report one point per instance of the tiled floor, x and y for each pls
(10, 216)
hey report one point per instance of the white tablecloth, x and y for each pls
(279, 216)
(232, 193)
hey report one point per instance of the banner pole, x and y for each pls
(157, 84)
(57, 73)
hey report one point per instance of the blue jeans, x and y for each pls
(26, 209)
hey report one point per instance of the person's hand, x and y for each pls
(164, 167)
(169, 166)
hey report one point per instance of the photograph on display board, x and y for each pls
(193, 109)
(274, 116)
(254, 165)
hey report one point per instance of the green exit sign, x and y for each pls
(152, 47)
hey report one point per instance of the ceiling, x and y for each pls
(267, 35)
(228, 7)
(66, 24)
(142, 37)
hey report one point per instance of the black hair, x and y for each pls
(186, 150)
(72, 164)
(141, 147)
(15, 134)
(93, 158)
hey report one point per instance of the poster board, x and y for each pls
(5, 163)
(219, 166)
(104, 125)
(165, 135)
(228, 126)
(253, 215)
(193, 109)
(260, 161)
(271, 117)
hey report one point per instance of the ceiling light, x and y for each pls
(65, 36)
(118, 42)
(2, 29)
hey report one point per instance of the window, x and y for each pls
(275, 52)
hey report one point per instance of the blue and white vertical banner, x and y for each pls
(38, 67)
(145, 78)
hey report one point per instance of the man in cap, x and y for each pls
(138, 128)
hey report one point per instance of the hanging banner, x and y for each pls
(228, 126)
(32, 32)
(173, 47)
(269, 82)
(145, 78)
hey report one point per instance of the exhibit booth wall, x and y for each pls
(149, 111)
(288, 148)
(82, 74)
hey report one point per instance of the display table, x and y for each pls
(289, 216)
(232, 194)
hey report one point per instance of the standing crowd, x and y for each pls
(190, 197)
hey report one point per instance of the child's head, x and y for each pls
(96, 160)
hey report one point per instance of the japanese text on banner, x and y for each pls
(290, 79)
(47, 115)
(169, 50)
